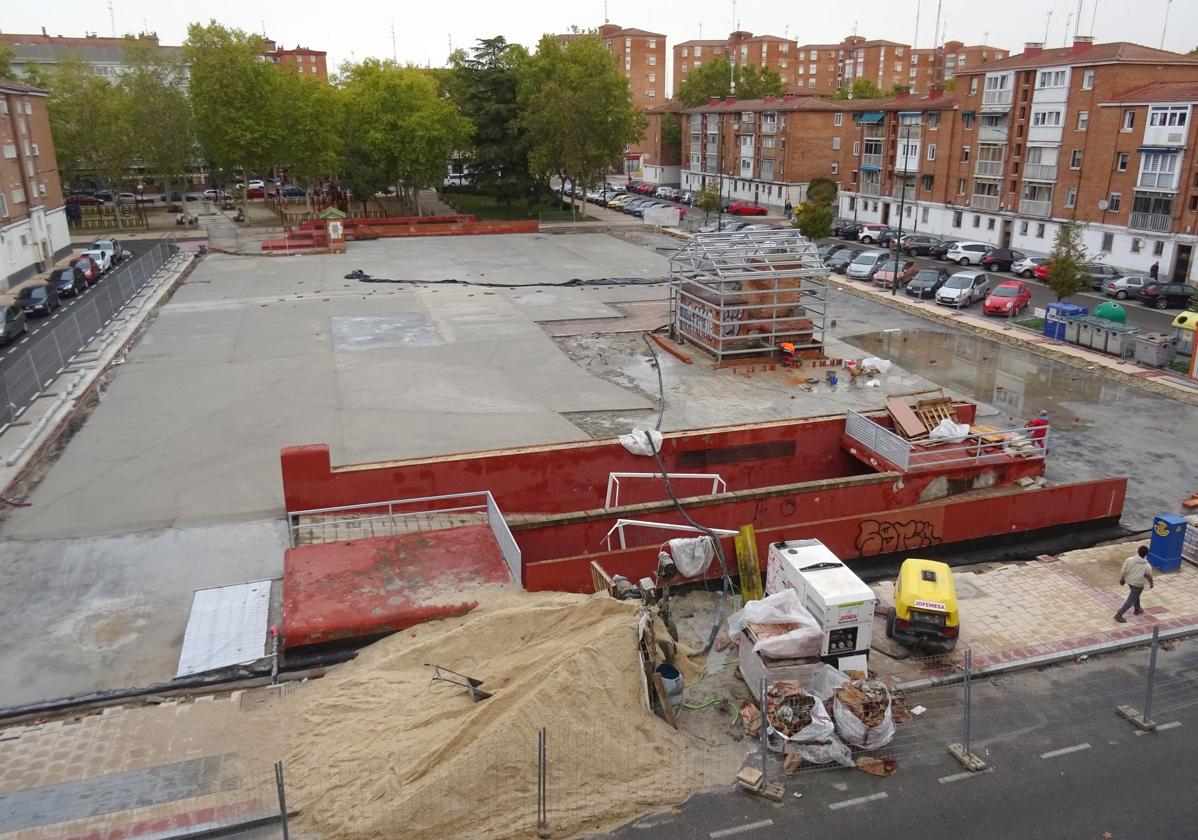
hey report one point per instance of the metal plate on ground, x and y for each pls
(227, 626)
(385, 332)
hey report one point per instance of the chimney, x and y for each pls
(1081, 44)
(715, 100)
(731, 100)
(768, 99)
(902, 93)
(1033, 48)
(44, 34)
(607, 29)
(936, 90)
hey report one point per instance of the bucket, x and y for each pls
(672, 680)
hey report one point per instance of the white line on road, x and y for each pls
(1065, 750)
(860, 800)
(1164, 727)
(740, 829)
(968, 774)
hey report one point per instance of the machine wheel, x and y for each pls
(890, 615)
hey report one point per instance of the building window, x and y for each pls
(967, 122)
(651, 77)
(1046, 119)
(852, 203)
(856, 148)
(964, 154)
(853, 177)
(931, 151)
(835, 144)
(1121, 161)
(652, 61)
(1129, 120)
(1040, 230)
(835, 168)
(1158, 248)
(1136, 245)
(957, 216)
(627, 44)
(36, 150)
(961, 186)
(1023, 228)
(1071, 197)
(1075, 159)
(811, 83)
(1113, 203)
(837, 119)
(652, 94)
(977, 220)
(923, 217)
(1051, 78)
(3, 206)
(973, 86)
(926, 182)
(1088, 83)
(684, 69)
(652, 43)
(1083, 120)
(1108, 242)
(990, 223)
(684, 52)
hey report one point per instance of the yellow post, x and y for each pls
(748, 565)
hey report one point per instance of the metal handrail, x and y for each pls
(718, 485)
(908, 455)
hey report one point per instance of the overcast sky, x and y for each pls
(424, 31)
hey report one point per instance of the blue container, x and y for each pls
(1168, 536)
(1055, 315)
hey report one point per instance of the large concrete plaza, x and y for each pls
(173, 481)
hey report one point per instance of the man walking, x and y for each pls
(1155, 271)
(1039, 426)
(1134, 572)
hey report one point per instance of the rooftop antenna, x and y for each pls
(1093, 17)
(936, 31)
(605, 18)
(700, 31)
(1165, 28)
(915, 40)
(1077, 20)
(1065, 39)
(395, 53)
(1047, 24)
(112, 18)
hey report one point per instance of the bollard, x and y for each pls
(282, 798)
(962, 751)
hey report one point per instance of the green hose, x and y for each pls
(695, 708)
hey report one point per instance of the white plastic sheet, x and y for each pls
(816, 742)
(853, 730)
(876, 364)
(949, 431)
(692, 555)
(636, 444)
(780, 608)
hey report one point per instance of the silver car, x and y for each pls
(1123, 288)
(963, 288)
(865, 264)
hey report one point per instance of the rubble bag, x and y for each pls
(816, 742)
(863, 715)
(780, 608)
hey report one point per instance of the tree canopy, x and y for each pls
(715, 79)
(159, 111)
(1065, 276)
(859, 89)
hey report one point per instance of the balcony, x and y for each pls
(746, 127)
(983, 202)
(906, 163)
(1040, 172)
(988, 169)
(1157, 181)
(1158, 222)
(996, 100)
(988, 133)
(903, 193)
(871, 188)
(710, 166)
(1028, 207)
(767, 152)
(872, 160)
(873, 132)
(769, 128)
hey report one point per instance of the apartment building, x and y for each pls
(1100, 133)
(661, 160)
(763, 150)
(739, 47)
(817, 69)
(105, 55)
(941, 64)
(33, 222)
(641, 57)
(306, 62)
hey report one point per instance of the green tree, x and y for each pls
(311, 147)
(1065, 276)
(91, 125)
(6, 57)
(159, 108)
(577, 108)
(236, 97)
(822, 190)
(859, 89)
(485, 88)
(815, 220)
(715, 79)
(708, 200)
(362, 173)
(671, 136)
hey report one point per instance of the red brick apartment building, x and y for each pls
(1100, 133)
(33, 222)
(822, 69)
(641, 57)
(302, 60)
(738, 48)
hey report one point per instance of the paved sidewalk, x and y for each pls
(1019, 615)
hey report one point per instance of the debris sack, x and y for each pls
(635, 441)
(797, 723)
(692, 555)
(949, 432)
(863, 714)
(780, 608)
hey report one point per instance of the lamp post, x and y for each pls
(897, 243)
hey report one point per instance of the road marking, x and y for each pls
(968, 774)
(860, 800)
(741, 829)
(1065, 750)
(1164, 727)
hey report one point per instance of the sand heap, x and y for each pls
(376, 751)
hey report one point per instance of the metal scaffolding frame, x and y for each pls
(744, 294)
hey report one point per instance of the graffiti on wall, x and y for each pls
(878, 537)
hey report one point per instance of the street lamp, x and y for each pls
(897, 243)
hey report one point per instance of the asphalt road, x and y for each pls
(38, 324)
(1062, 766)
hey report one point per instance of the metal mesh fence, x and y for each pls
(28, 370)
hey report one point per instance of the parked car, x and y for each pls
(869, 233)
(726, 226)
(884, 276)
(845, 228)
(89, 267)
(1164, 295)
(866, 264)
(1008, 299)
(967, 253)
(640, 209)
(619, 200)
(175, 196)
(888, 237)
(840, 260)
(940, 252)
(1001, 259)
(196, 196)
(963, 289)
(250, 192)
(1130, 285)
(827, 250)
(760, 226)
(83, 200)
(38, 298)
(112, 246)
(68, 281)
(926, 282)
(102, 257)
(292, 191)
(210, 194)
(12, 320)
(1098, 274)
(1026, 267)
(688, 198)
(745, 208)
(917, 245)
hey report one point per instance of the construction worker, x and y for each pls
(788, 354)
(1039, 427)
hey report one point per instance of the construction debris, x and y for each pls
(789, 708)
(863, 715)
(876, 766)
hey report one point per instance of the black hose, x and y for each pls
(362, 276)
(661, 388)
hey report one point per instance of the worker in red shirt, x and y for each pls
(1039, 427)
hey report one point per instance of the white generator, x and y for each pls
(840, 601)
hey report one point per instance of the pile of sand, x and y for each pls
(376, 751)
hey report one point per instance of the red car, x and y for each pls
(89, 267)
(744, 208)
(1041, 271)
(83, 200)
(255, 192)
(1008, 299)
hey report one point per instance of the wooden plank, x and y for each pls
(667, 709)
(748, 565)
(905, 421)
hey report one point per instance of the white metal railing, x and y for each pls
(1150, 221)
(1040, 171)
(878, 438)
(871, 160)
(1158, 181)
(909, 456)
(718, 485)
(989, 169)
(904, 193)
(992, 133)
(1035, 208)
(871, 188)
(769, 128)
(621, 524)
(983, 202)
(996, 98)
(396, 520)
